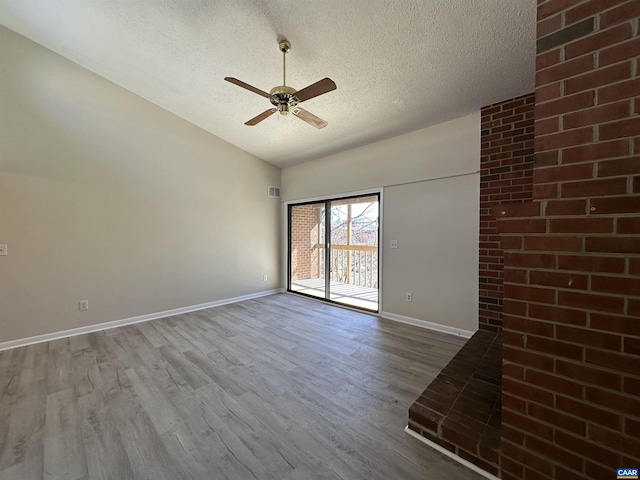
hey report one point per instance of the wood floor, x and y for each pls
(281, 387)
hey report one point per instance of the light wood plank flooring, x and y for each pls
(280, 387)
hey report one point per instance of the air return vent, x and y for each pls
(273, 192)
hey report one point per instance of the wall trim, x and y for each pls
(428, 325)
(23, 342)
(449, 454)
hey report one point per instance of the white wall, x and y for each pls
(106, 197)
(431, 205)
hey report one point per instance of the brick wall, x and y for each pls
(506, 168)
(304, 237)
(571, 372)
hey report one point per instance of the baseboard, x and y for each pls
(22, 342)
(449, 454)
(428, 325)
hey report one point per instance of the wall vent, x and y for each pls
(273, 192)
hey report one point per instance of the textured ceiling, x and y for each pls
(400, 65)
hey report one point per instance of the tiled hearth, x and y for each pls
(461, 409)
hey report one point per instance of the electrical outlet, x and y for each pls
(408, 297)
(393, 244)
(264, 277)
(83, 305)
(3, 249)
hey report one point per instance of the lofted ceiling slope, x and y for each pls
(399, 65)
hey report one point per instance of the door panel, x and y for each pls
(346, 269)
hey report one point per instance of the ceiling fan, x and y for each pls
(286, 99)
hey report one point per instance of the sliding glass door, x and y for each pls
(345, 269)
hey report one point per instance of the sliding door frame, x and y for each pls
(286, 287)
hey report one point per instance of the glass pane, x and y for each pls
(354, 252)
(307, 249)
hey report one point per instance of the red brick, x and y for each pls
(614, 440)
(588, 412)
(529, 260)
(592, 188)
(631, 346)
(528, 392)
(564, 139)
(558, 314)
(632, 427)
(514, 307)
(555, 348)
(532, 294)
(598, 453)
(589, 337)
(563, 173)
(527, 359)
(597, 151)
(625, 166)
(521, 325)
(612, 244)
(558, 279)
(560, 244)
(554, 383)
(581, 225)
(620, 129)
(557, 419)
(633, 307)
(526, 424)
(548, 92)
(566, 207)
(589, 375)
(547, 125)
(591, 264)
(547, 59)
(564, 70)
(629, 225)
(619, 285)
(549, 25)
(510, 242)
(511, 435)
(549, 8)
(515, 276)
(526, 456)
(632, 385)
(626, 204)
(620, 14)
(522, 226)
(634, 263)
(618, 91)
(529, 209)
(551, 451)
(511, 467)
(513, 339)
(545, 191)
(565, 104)
(619, 361)
(593, 116)
(566, 474)
(602, 76)
(599, 303)
(597, 41)
(513, 371)
(620, 52)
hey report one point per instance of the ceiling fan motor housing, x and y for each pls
(283, 97)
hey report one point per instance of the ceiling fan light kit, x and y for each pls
(285, 99)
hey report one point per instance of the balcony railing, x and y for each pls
(354, 264)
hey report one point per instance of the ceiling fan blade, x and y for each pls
(240, 83)
(322, 86)
(308, 117)
(256, 120)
